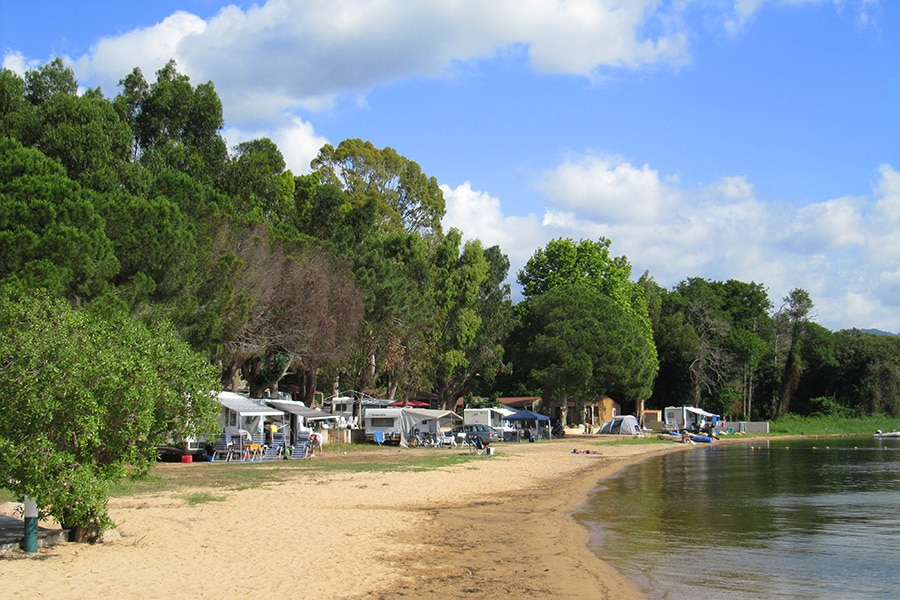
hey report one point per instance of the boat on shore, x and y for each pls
(887, 434)
(686, 437)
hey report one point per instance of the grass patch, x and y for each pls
(213, 478)
(833, 425)
(195, 498)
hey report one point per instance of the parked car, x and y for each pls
(487, 433)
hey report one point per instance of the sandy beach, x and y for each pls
(492, 527)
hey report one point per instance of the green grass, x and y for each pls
(831, 425)
(216, 477)
(195, 498)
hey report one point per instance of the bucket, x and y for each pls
(186, 458)
(490, 451)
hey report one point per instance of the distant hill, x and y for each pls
(879, 332)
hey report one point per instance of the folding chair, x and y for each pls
(301, 446)
(477, 446)
(221, 451)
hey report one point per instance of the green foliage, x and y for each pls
(51, 235)
(48, 80)
(86, 400)
(585, 328)
(257, 180)
(407, 199)
(174, 124)
(564, 261)
(584, 345)
(833, 425)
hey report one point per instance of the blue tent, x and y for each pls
(526, 415)
(529, 415)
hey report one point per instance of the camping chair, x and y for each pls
(276, 448)
(221, 451)
(477, 445)
(301, 446)
(378, 437)
(448, 440)
(237, 447)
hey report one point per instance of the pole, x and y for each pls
(30, 542)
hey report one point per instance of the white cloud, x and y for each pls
(149, 49)
(287, 54)
(299, 144)
(17, 63)
(828, 225)
(744, 11)
(609, 190)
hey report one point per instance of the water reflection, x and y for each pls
(798, 519)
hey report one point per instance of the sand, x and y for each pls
(494, 527)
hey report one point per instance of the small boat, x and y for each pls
(705, 439)
(887, 434)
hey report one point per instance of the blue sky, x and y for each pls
(746, 139)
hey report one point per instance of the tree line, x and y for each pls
(128, 218)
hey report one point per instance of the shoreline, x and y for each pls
(494, 525)
(529, 543)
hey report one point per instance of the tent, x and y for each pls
(622, 425)
(524, 416)
(412, 418)
(245, 407)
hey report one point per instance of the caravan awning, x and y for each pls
(423, 414)
(299, 409)
(699, 411)
(246, 407)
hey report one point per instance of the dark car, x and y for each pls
(486, 433)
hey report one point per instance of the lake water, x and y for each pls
(806, 518)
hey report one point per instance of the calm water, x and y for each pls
(792, 519)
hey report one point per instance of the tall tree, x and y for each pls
(564, 262)
(48, 80)
(407, 199)
(12, 103)
(468, 301)
(794, 316)
(303, 308)
(586, 345)
(175, 125)
(257, 179)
